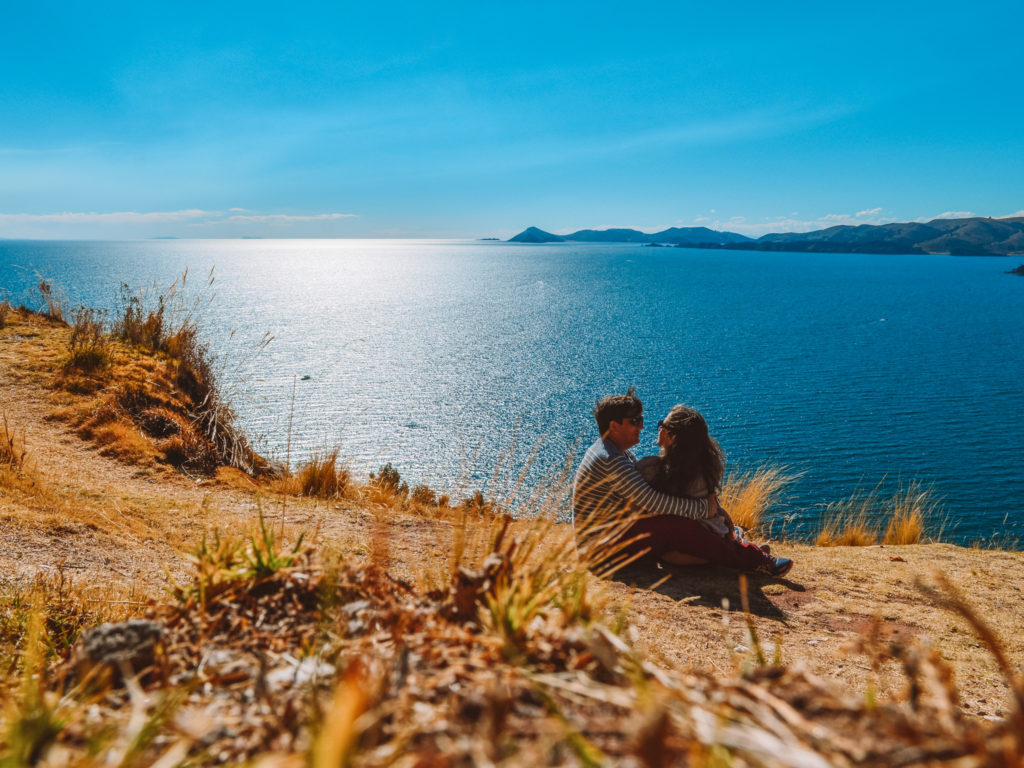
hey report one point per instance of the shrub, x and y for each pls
(88, 347)
(389, 480)
(478, 503)
(5, 312)
(424, 496)
(147, 322)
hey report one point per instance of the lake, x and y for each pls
(459, 361)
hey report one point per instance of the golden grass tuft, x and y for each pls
(323, 476)
(844, 526)
(909, 511)
(749, 495)
(6, 310)
(859, 520)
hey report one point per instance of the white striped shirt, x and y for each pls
(608, 482)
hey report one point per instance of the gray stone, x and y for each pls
(125, 646)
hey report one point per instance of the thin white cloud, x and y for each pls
(1016, 215)
(284, 219)
(132, 224)
(953, 215)
(869, 212)
(115, 218)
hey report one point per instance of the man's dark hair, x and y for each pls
(617, 408)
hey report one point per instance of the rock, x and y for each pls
(1018, 271)
(299, 673)
(128, 646)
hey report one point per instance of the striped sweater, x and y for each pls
(608, 482)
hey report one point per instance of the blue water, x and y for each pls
(446, 357)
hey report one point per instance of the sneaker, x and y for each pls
(780, 567)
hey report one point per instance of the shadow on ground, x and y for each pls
(708, 586)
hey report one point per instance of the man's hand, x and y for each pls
(713, 508)
(728, 521)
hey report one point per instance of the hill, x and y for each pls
(696, 236)
(963, 237)
(352, 622)
(968, 237)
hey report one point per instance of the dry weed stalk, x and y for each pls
(16, 473)
(12, 451)
(953, 600)
(53, 300)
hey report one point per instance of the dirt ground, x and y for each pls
(121, 532)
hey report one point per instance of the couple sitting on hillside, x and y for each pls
(664, 507)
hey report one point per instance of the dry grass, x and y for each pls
(153, 377)
(844, 526)
(15, 472)
(88, 345)
(12, 450)
(122, 441)
(507, 653)
(167, 321)
(859, 520)
(748, 496)
(323, 476)
(5, 312)
(53, 300)
(910, 510)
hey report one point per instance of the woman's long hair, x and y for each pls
(693, 455)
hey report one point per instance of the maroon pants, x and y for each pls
(669, 533)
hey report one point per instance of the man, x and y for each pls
(609, 492)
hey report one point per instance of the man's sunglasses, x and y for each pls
(637, 421)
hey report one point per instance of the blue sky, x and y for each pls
(453, 119)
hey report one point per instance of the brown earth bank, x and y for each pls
(120, 529)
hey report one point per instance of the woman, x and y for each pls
(690, 463)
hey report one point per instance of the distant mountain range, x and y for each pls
(695, 236)
(967, 237)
